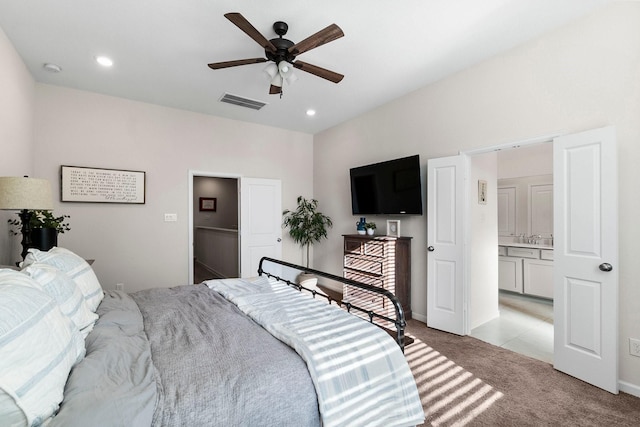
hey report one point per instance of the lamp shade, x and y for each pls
(25, 193)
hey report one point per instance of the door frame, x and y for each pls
(192, 175)
(466, 217)
(542, 139)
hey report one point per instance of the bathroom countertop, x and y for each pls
(526, 245)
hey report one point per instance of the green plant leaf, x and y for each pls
(306, 225)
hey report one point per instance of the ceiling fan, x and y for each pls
(283, 52)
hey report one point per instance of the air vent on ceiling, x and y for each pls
(242, 102)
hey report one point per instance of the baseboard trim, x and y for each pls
(419, 317)
(210, 270)
(629, 388)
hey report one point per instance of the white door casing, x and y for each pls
(260, 222)
(586, 243)
(445, 254)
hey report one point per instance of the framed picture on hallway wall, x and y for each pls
(208, 204)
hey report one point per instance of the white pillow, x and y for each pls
(75, 267)
(38, 347)
(66, 293)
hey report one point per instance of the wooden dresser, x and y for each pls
(382, 261)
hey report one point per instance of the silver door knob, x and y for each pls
(279, 240)
(605, 266)
(431, 249)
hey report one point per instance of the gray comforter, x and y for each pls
(197, 361)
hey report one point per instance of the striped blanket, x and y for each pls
(360, 375)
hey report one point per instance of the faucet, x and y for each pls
(534, 239)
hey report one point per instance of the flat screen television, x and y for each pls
(387, 188)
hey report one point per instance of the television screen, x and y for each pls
(391, 187)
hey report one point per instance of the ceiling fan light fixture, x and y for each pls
(291, 78)
(271, 70)
(285, 68)
(277, 80)
(283, 52)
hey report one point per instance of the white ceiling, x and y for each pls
(161, 48)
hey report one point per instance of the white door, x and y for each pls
(586, 257)
(261, 222)
(445, 206)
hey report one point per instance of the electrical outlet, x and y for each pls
(634, 347)
(119, 286)
(170, 217)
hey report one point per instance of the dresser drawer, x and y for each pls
(546, 254)
(358, 263)
(365, 278)
(374, 249)
(502, 251)
(364, 247)
(364, 299)
(523, 252)
(352, 246)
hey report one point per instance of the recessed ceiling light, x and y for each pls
(104, 61)
(52, 68)
(311, 112)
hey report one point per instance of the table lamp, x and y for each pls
(24, 194)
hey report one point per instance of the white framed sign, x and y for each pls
(97, 185)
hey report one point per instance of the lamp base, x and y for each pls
(25, 218)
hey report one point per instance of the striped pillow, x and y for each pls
(66, 293)
(38, 347)
(75, 267)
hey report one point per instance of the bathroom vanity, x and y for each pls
(525, 208)
(526, 269)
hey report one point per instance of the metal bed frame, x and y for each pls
(399, 321)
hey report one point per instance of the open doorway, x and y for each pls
(215, 228)
(521, 223)
(256, 206)
(585, 280)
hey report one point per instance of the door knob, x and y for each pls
(279, 239)
(605, 266)
(431, 249)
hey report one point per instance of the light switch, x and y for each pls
(170, 217)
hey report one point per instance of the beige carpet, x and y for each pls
(467, 382)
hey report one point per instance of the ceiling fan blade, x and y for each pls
(329, 34)
(250, 30)
(319, 71)
(227, 64)
(274, 90)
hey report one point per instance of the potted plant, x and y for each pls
(370, 226)
(44, 228)
(306, 225)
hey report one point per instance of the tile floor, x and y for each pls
(525, 326)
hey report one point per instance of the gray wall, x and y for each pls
(225, 191)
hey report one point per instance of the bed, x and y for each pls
(260, 351)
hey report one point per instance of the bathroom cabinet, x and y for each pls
(526, 269)
(525, 206)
